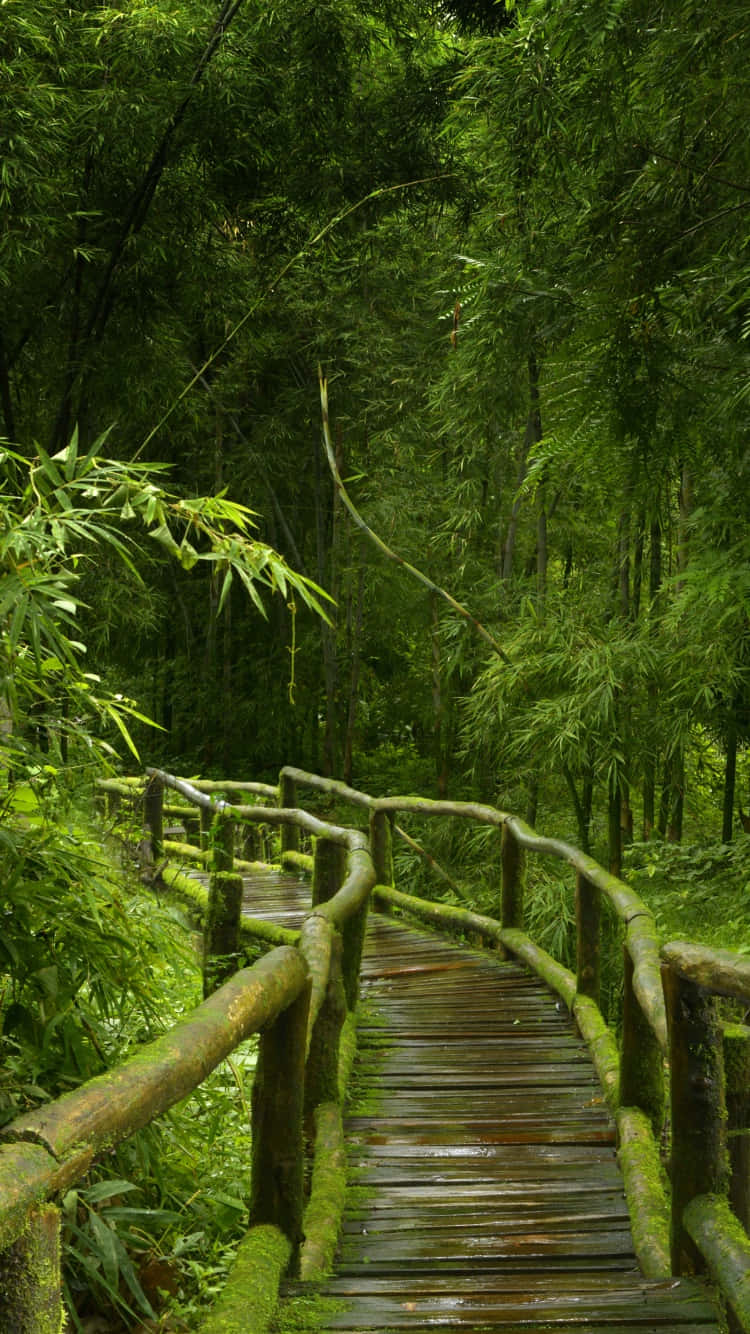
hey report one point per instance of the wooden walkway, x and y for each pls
(487, 1189)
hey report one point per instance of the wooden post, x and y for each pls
(277, 1112)
(641, 1062)
(207, 814)
(153, 815)
(250, 842)
(112, 804)
(222, 843)
(288, 798)
(322, 1073)
(353, 937)
(329, 868)
(699, 1161)
(381, 846)
(221, 935)
(588, 937)
(736, 1044)
(513, 867)
(30, 1285)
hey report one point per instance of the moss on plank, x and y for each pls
(306, 1313)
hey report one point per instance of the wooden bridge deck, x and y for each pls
(488, 1193)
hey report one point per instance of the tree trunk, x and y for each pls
(676, 797)
(615, 823)
(649, 760)
(438, 705)
(355, 635)
(532, 436)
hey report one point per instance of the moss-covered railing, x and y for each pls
(670, 1024)
(709, 1064)
(299, 997)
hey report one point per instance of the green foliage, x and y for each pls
(78, 959)
(696, 891)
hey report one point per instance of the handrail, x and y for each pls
(678, 1021)
(636, 916)
(109, 1107)
(710, 1091)
(299, 998)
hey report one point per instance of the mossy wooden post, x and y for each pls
(221, 935)
(288, 798)
(329, 868)
(322, 1073)
(641, 1062)
(588, 937)
(30, 1284)
(112, 804)
(512, 857)
(250, 841)
(699, 1160)
(353, 937)
(207, 814)
(277, 1194)
(153, 815)
(736, 1044)
(192, 822)
(381, 846)
(222, 843)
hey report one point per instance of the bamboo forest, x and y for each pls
(375, 680)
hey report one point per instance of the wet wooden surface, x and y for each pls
(486, 1192)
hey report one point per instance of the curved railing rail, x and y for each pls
(306, 988)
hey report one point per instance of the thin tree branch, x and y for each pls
(706, 174)
(381, 545)
(249, 313)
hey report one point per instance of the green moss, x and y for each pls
(347, 1053)
(353, 935)
(325, 1208)
(736, 1048)
(30, 1289)
(725, 1246)
(305, 1314)
(249, 1299)
(646, 1191)
(195, 895)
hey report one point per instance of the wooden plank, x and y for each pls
(489, 1194)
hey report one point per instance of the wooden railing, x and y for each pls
(301, 997)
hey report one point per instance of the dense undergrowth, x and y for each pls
(93, 965)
